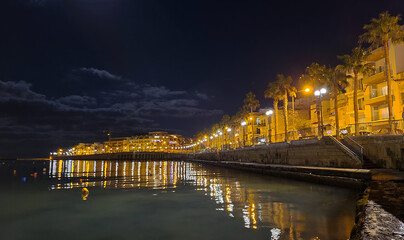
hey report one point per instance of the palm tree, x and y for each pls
(238, 118)
(379, 32)
(337, 82)
(292, 94)
(356, 62)
(223, 124)
(214, 129)
(284, 84)
(250, 102)
(314, 76)
(274, 92)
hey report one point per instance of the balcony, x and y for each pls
(376, 54)
(375, 78)
(376, 100)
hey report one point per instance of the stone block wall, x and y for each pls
(386, 151)
(311, 152)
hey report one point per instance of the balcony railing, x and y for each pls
(377, 127)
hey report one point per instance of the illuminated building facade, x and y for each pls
(151, 142)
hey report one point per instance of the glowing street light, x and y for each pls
(243, 123)
(269, 113)
(319, 93)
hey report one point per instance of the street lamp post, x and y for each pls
(319, 93)
(252, 130)
(269, 114)
(228, 130)
(243, 123)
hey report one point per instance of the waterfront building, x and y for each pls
(372, 99)
(255, 130)
(375, 91)
(151, 142)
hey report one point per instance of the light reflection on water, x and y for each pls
(285, 209)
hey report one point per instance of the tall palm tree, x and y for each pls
(284, 84)
(214, 129)
(274, 92)
(292, 94)
(314, 76)
(239, 117)
(379, 32)
(250, 102)
(337, 82)
(223, 124)
(357, 63)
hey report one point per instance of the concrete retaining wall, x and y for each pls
(310, 152)
(386, 151)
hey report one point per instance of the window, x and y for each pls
(385, 113)
(383, 91)
(373, 91)
(380, 112)
(258, 131)
(360, 84)
(258, 121)
(361, 104)
(402, 98)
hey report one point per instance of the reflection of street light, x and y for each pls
(319, 93)
(269, 113)
(243, 123)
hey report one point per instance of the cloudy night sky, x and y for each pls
(71, 70)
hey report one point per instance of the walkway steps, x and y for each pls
(358, 150)
(344, 148)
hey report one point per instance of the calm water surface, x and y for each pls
(164, 200)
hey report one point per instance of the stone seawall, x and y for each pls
(386, 151)
(310, 152)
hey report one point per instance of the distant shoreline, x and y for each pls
(24, 159)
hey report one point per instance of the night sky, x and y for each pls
(71, 70)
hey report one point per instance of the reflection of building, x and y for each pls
(288, 210)
(151, 142)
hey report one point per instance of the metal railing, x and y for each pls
(344, 148)
(377, 127)
(354, 146)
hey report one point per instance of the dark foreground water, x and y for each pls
(164, 200)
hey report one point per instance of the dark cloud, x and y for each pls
(18, 91)
(201, 95)
(76, 100)
(103, 74)
(160, 92)
(124, 107)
